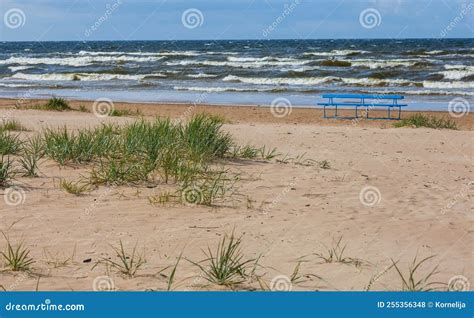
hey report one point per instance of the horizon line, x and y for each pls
(213, 40)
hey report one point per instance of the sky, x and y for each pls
(87, 20)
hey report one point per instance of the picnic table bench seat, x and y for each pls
(362, 100)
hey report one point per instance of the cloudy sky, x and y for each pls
(44, 20)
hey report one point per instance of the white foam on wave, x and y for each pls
(202, 75)
(448, 85)
(426, 92)
(78, 60)
(261, 59)
(12, 85)
(434, 52)
(374, 64)
(335, 52)
(216, 89)
(280, 80)
(171, 53)
(248, 64)
(316, 81)
(18, 68)
(457, 72)
(81, 76)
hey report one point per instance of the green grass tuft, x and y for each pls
(16, 258)
(57, 104)
(76, 188)
(127, 263)
(9, 144)
(228, 265)
(32, 152)
(421, 120)
(414, 283)
(125, 112)
(12, 125)
(6, 171)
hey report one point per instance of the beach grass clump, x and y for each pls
(245, 152)
(83, 109)
(335, 254)
(120, 172)
(125, 113)
(226, 266)
(83, 147)
(58, 145)
(77, 188)
(161, 198)
(6, 171)
(57, 104)
(252, 152)
(9, 144)
(144, 151)
(268, 154)
(203, 135)
(411, 281)
(32, 151)
(16, 258)
(12, 125)
(126, 263)
(421, 120)
(206, 188)
(324, 164)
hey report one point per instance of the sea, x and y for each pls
(428, 72)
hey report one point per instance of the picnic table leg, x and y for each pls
(366, 111)
(399, 112)
(324, 111)
(356, 112)
(388, 112)
(335, 114)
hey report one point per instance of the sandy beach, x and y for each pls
(390, 193)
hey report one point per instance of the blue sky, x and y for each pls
(42, 20)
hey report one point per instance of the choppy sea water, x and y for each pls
(429, 73)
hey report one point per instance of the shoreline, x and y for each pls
(241, 113)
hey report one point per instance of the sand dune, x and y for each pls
(390, 193)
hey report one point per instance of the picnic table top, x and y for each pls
(376, 96)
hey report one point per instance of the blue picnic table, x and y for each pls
(367, 102)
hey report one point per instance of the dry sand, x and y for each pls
(286, 212)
